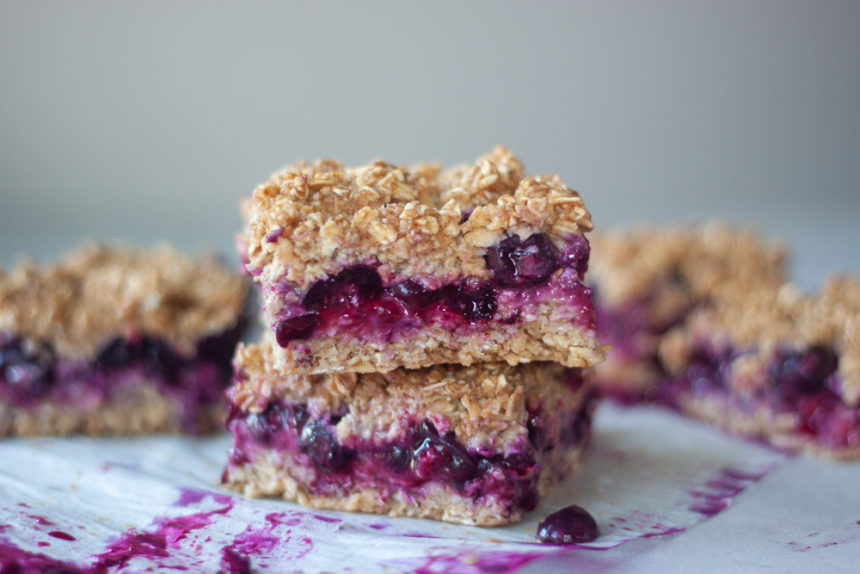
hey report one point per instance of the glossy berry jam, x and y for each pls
(570, 525)
(357, 300)
(433, 456)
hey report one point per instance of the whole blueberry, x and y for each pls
(570, 525)
(159, 359)
(119, 353)
(793, 373)
(349, 288)
(517, 263)
(434, 456)
(320, 444)
(472, 304)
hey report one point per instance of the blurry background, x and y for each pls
(150, 120)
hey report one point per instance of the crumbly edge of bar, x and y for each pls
(551, 336)
(268, 475)
(776, 429)
(485, 404)
(764, 319)
(131, 410)
(99, 292)
(311, 220)
(681, 263)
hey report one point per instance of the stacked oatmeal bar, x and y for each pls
(427, 339)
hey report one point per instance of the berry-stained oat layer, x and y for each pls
(377, 267)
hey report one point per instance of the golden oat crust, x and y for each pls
(312, 219)
(99, 292)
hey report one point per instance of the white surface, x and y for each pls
(639, 481)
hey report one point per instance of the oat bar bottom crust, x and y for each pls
(131, 410)
(269, 475)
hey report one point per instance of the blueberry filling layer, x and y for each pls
(422, 456)
(803, 382)
(629, 328)
(356, 300)
(33, 373)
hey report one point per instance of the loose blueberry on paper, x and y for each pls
(570, 525)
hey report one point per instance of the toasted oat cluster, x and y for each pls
(412, 316)
(114, 340)
(714, 331)
(475, 445)
(377, 267)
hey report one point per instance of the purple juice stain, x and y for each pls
(166, 536)
(262, 542)
(61, 535)
(848, 534)
(570, 525)
(188, 496)
(491, 562)
(234, 563)
(719, 492)
(169, 532)
(40, 520)
(276, 518)
(328, 519)
(666, 532)
(13, 560)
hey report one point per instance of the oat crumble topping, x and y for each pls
(312, 219)
(98, 292)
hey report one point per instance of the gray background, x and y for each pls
(150, 120)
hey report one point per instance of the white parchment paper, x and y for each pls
(132, 504)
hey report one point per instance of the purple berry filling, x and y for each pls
(627, 326)
(570, 525)
(802, 382)
(32, 374)
(522, 273)
(423, 455)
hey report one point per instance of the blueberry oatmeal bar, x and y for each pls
(114, 340)
(703, 321)
(647, 280)
(773, 364)
(473, 445)
(371, 268)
